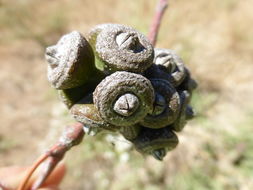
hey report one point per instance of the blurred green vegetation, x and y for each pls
(6, 144)
(20, 22)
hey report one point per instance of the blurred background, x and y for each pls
(214, 38)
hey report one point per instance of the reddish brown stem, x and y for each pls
(71, 136)
(47, 170)
(154, 29)
(31, 171)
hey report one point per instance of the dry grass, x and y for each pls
(215, 40)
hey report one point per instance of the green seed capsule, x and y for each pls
(166, 105)
(155, 142)
(181, 120)
(171, 63)
(130, 132)
(86, 113)
(120, 48)
(124, 98)
(70, 62)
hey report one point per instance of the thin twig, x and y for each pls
(154, 29)
(71, 136)
(31, 171)
(47, 170)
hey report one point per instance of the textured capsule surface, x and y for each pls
(117, 81)
(70, 61)
(121, 48)
(118, 84)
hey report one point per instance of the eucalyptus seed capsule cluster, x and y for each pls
(117, 81)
